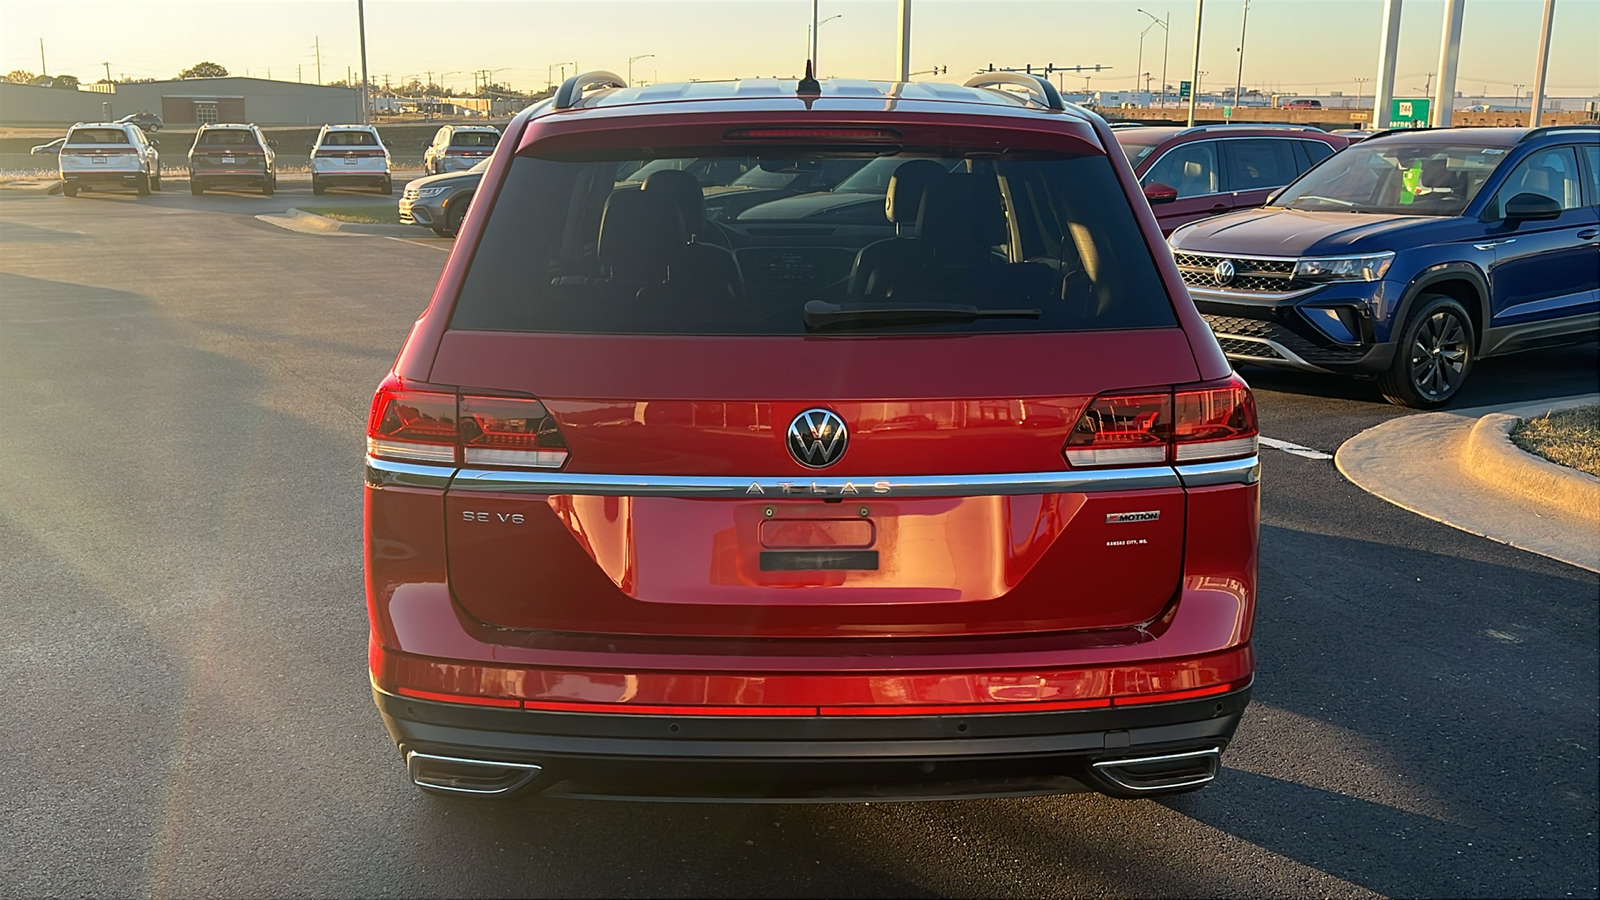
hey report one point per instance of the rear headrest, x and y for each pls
(639, 235)
(906, 185)
(684, 191)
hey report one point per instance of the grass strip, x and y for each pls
(377, 214)
(1570, 438)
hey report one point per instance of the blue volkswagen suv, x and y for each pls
(1409, 256)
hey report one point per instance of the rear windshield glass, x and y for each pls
(474, 139)
(804, 244)
(1395, 176)
(349, 139)
(98, 136)
(228, 137)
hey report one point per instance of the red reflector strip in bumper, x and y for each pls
(460, 698)
(1172, 695)
(638, 709)
(963, 709)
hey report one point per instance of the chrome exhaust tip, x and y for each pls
(1166, 772)
(480, 777)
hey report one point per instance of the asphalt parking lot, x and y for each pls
(184, 395)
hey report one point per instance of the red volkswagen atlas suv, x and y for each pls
(934, 485)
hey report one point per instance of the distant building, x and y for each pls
(188, 101)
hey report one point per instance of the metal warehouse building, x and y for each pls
(189, 101)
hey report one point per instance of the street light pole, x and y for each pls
(905, 40)
(813, 39)
(1194, 85)
(1360, 83)
(1238, 85)
(631, 61)
(1388, 50)
(1543, 64)
(361, 20)
(1166, 41)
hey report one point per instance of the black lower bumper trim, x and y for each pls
(819, 759)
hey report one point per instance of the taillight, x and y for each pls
(1214, 421)
(1190, 423)
(510, 431)
(438, 427)
(414, 425)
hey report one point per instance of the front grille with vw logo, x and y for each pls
(1239, 275)
(817, 438)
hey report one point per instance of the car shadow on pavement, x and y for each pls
(18, 233)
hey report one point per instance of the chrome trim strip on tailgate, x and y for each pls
(1231, 471)
(383, 473)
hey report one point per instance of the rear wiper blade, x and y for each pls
(822, 314)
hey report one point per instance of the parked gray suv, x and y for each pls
(440, 201)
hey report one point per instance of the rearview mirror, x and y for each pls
(1157, 193)
(1528, 207)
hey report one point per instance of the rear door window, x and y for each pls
(1591, 153)
(944, 243)
(1255, 164)
(1316, 150)
(1190, 168)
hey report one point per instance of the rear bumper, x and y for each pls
(335, 176)
(113, 176)
(760, 758)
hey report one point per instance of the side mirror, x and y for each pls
(1273, 197)
(1532, 208)
(311, 145)
(154, 142)
(273, 144)
(1158, 193)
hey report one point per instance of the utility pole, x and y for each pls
(317, 46)
(1542, 65)
(361, 19)
(43, 69)
(1194, 85)
(1388, 50)
(1238, 85)
(1444, 96)
(905, 40)
(108, 70)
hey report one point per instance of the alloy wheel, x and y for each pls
(1439, 356)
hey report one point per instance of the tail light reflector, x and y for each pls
(1190, 423)
(437, 427)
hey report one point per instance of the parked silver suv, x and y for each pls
(109, 153)
(456, 148)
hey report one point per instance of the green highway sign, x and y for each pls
(1184, 89)
(1409, 113)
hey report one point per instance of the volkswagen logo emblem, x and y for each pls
(1224, 272)
(817, 438)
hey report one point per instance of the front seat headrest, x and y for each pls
(639, 235)
(906, 186)
(684, 191)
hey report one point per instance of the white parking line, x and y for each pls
(419, 243)
(1295, 449)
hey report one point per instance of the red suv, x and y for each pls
(1207, 170)
(929, 487)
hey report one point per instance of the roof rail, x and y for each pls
(571, 90)
(1585, 127)
(1388, 131)
(1043, 91)
(1271, 125)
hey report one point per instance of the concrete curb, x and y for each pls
(1490, 457)
(1417, 462)
(311, 223)
(33, 187)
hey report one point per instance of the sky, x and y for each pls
(1292, 46)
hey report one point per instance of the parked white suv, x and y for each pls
(457, 148)
(350, 156)
(109, 153)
